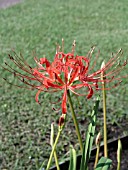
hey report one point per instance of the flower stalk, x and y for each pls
(75, 121)
(119, 150)
(60, 128)
(52, 143)
(53, 149)
(104, 111)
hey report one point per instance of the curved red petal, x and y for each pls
(44, 61)
(75, 74)
(64, 101)
(37, 96)
(90, 92)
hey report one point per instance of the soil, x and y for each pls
(7, 3)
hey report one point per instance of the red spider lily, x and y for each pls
(66, 72)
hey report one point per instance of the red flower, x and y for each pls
(66, 72)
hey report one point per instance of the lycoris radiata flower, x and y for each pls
(67, 72)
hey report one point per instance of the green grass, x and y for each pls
(38, 26)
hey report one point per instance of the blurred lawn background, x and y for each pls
(37, 26)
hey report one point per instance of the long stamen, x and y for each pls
(62, 45)
(94, 63)
(73, 47)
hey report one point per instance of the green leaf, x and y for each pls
(89, 137)
(104, 164)
(72, 165)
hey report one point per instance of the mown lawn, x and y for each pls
(36, 26)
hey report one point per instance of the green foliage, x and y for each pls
(89, 138)
(104, 164)
(88, 142)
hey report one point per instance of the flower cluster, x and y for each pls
(66, 72)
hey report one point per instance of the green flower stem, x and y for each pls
(75, 121)
(104, 112)
(52, 143)
(97, 155)
(56, 161)
(53, 149)
(118, 166)
(119, 151)
(98, 138)
(105, 121)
